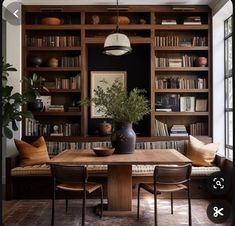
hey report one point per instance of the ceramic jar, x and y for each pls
(53, 62)
(35, 61)
(123, 138)
(105, 128)
(201, 62)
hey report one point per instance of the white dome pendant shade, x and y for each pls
(117, 44)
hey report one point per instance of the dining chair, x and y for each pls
(171, 179)
(73, 179)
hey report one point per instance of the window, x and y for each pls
(228, 69)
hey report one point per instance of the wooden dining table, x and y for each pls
(119, 187)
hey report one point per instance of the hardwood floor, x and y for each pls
(38, 213)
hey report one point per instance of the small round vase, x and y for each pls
(35, 61)
(35, 106)
(53, 62)
(201, 62)
(123, 138)
(105, 128)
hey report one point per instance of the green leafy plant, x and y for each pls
(115, 102)
(13, 101)
(34, 85)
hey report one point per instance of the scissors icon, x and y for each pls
(218, 211)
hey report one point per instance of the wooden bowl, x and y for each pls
(51, 21)
(102, 151)
(121, 20)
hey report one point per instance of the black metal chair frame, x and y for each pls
(84, 180)
(155, 192)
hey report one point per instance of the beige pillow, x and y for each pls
(201, 154)
(32, 154)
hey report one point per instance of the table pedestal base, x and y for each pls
(119, 187)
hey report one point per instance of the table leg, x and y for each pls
(119, 187)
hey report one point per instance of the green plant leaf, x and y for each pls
(8, 133)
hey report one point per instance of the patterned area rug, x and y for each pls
(38, 213)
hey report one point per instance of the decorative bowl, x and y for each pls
(103, 151)
(121, 20)
(51, 21)
(201, 62)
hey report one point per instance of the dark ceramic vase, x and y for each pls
(123, 138)
(37, 105)
(35, 61)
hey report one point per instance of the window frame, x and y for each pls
(227, 75)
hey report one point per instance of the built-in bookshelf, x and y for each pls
(175, 40)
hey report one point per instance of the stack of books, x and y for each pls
(192, 20)
(178, 130)
(169, 21)
(55, 108)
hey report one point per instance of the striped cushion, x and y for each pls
(137, 170)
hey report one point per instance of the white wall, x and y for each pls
(218, 74)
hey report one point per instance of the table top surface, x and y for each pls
(138, 157)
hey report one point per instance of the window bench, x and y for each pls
(35, 181)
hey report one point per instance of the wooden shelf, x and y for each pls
(181, 114)
(92, 37)
(181, 48)
(121, 26)
(133, 40)
(53, 48)
(182, 69)
(60, 91)
(181, 27)
(181, 90)
(53, 27)
(53, 68)
(66, 113)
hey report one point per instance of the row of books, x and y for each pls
(35, 128)
(196, 129)
(199, 129)
(181, 83)
(161, 128)
(185, 61)
(68, 83)
(54, 41)
(189, 20)
(71, 61)
(173, 40)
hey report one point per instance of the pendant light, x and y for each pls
(117, 44)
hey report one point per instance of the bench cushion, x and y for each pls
(137, 170)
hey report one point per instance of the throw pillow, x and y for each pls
(34, 153)
(201, 154)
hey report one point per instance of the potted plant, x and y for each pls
(34, 85)
(124, 109)
(12, 103)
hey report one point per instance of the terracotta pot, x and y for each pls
(201, 62)
(123, 138)
(105, 128)
(121, 20)
(53, 62)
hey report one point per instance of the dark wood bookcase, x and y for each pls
(80, 35)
